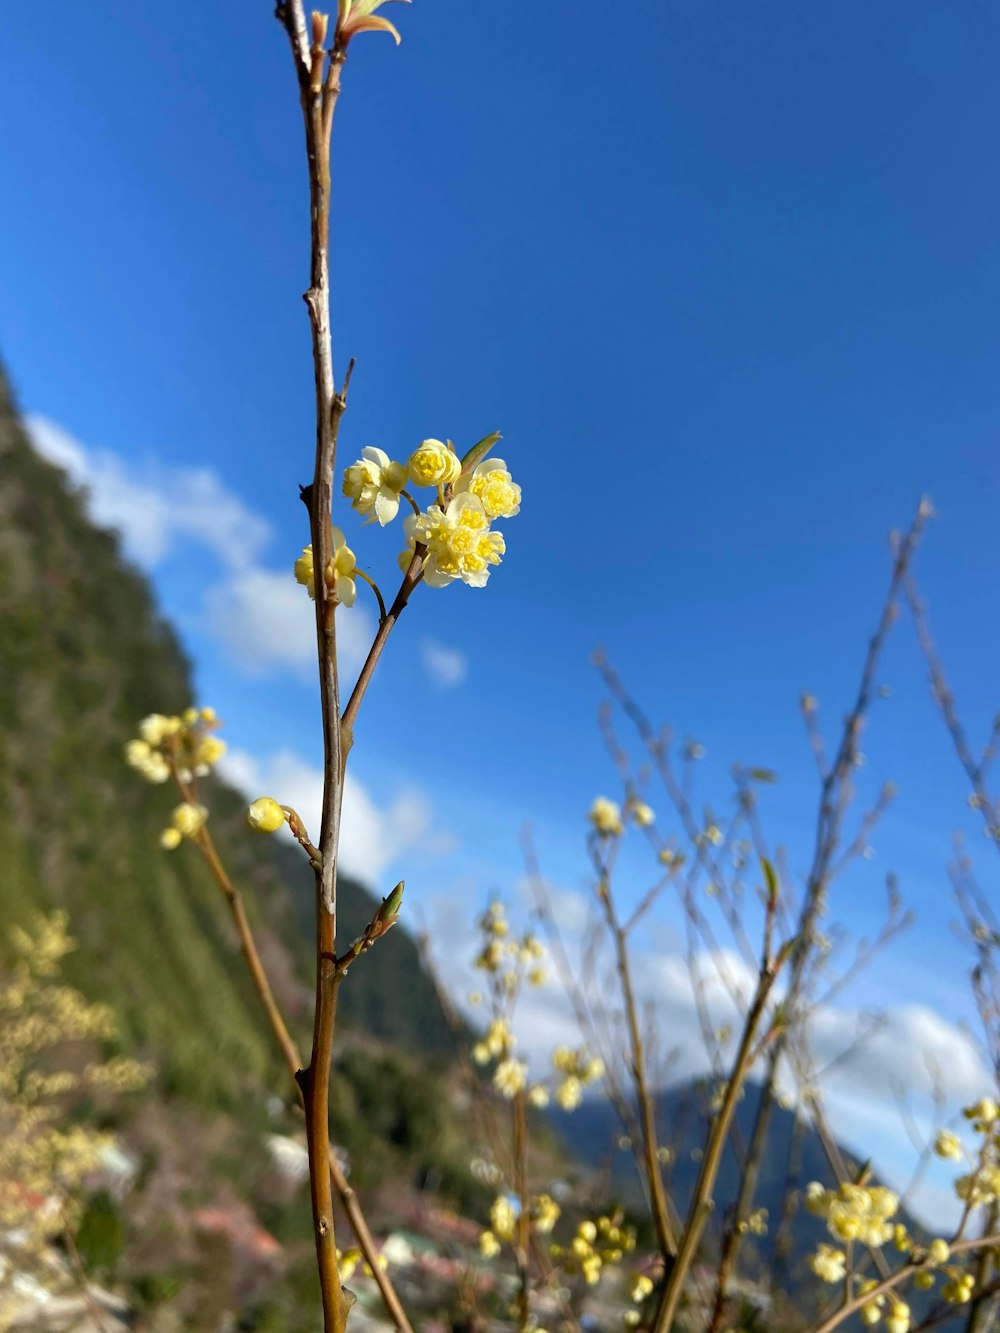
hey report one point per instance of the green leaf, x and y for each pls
(391, 905)
(479, 451)
(772, 880)
(762, 775)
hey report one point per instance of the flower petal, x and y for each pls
(386, 505)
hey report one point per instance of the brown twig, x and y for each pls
(293, 1060)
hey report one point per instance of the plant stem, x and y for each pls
(654, 1176)
(701, 1202)
(293, 1060)
(319, 89)
(523, 1236)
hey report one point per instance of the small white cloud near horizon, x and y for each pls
(446, 667)
(373, 837)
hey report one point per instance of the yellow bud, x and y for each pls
(265, 815)
(169, 839)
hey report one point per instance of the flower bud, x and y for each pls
(265, 815)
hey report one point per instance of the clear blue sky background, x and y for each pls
(725, 274)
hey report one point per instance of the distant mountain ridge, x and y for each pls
(794, 1155)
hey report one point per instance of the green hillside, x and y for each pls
(83, 655)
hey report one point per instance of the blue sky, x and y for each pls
(726, 277)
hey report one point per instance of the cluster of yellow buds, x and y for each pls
(855, 1212)
(608, 817)
(755, 1224)
(896, 1312)
(455, 530)
(184, 745)
(543, 1213)
(958, 1291)
(503, 1224)
(187, 821)
(340, 570)
(576, 1068)
(509, 961)
(982, 1185)
(595, 1247)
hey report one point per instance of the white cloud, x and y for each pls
(260, 616)
(865, 1081)
(447, 667)
(266, 621)
(373, 837)
(153, 507)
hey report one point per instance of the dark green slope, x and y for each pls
(84, 655)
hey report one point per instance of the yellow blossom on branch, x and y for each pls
(606, 817)
(433, 463)
(265, 815)
(460, 545)
(491, 483)
(373, 484)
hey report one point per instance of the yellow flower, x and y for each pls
(265, 815)
(569, 1093)
(898, 1318)
(947, 1145)
(983, 1114)
(503, 1219)
(459, 542)
(641, 1287)
(509, 1077)
(641, 813)
(188, 819)
(344, 565)
(305, 571)
(937, 1251)
(829, 1264)
(491, 483)
(545, 1213)
(169, 839)
(605, 816)
(489, 1246)
(156, 728)
(539, 1096)
(340, 570)
(433, 464)
(373, 483)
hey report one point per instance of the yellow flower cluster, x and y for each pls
(460, 544)
(855, 1212)
(454, 531)
(543, 1213)
(184, 745)
(596, 1246)
(897, 1317)
(340, 570)
(755, 1224)
(46, 1157)
(982, 1185)
(187, 821)
(608, 817)
(576, 1069)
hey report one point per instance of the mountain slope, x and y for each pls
(84, 655)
